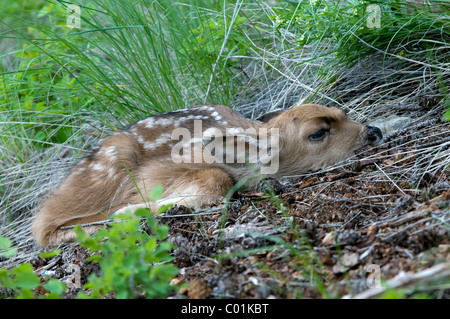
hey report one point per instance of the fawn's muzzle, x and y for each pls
(374, 135)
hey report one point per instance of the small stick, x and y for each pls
(390, 179)
(404, 280)
(104, 222)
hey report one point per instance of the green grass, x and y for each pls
(131, 59)
(403, 30)
(128, 60)
(62, 88)
(409, 33)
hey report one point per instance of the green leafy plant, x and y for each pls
(133, 263)
(5, 248)
(20, 281)
(210, 35)
(39, 97)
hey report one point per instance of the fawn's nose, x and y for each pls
(374, 135)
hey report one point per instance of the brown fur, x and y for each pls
(106, 180)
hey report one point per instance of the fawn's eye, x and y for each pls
(319, 135)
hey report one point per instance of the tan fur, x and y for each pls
(120, 173)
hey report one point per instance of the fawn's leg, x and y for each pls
(193, 188)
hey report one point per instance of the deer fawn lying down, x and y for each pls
(197, 155)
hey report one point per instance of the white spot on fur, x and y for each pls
(234, 131)
(160, 141)
(79, 170)
(196, 140)
(149, 122)
(149, 146)
(212, 131)
(164, 121)
(180, 111)
(111, 152)
(111, 172)
(97, 167)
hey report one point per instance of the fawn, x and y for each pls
(197, 155)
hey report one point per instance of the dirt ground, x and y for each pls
(346, 221)
(325, 234)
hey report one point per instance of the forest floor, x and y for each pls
(327, 234)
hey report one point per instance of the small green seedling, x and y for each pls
(134, 263)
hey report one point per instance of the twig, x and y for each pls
(403, 280)
(214, 212)
(100, 223)
(403, 230)
(390, 179)
(105, 222)
(410, 217)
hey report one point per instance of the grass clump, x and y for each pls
(153, 56)
(360, 28)
(40, 99)
(413, 34)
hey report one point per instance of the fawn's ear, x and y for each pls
(266, 117)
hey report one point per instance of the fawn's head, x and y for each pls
(314, 136)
